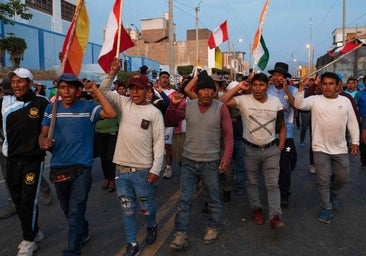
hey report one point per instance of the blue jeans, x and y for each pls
(237, 163)
(266, 161)
(332, 172)
(208, 172)
(73, 196)
(132, 189)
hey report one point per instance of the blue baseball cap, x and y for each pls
(70, 78)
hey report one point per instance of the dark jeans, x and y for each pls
(288, 161)
(105, 144)
(73, 196)
(305, 124)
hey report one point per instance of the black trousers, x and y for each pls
(288, 161)
(22, 179)
(105, 144)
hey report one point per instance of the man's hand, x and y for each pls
(115, 66)
(152, 178)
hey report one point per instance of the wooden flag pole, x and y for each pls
(63, 63)
(119, 29)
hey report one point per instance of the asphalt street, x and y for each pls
(303, 234)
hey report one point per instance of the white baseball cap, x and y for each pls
(22, 73)
(232, 85)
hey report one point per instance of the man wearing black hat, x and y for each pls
(208, 120)
(281, 89)
(71, 145)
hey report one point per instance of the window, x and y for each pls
(40, 5)
(67, 10)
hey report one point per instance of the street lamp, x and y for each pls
(235, 59)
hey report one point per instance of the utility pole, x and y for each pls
(344, 23)
(197, 48)
(171, 40)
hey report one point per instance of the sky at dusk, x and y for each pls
(289, 26)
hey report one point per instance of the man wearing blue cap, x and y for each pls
(71, 145)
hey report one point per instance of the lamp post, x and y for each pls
(234, 56)
(197, 11)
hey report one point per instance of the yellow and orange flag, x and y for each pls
(76, 41)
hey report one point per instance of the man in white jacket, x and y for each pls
(331, 116)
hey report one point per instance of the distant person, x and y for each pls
(71, 146)
(40, 89)
(281, 89)
(332, 115)
(202, 158)
(351, 89)
(138, 155)
(22, 115)
(263, 118)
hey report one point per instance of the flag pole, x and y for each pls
(119, 29)
(334, 61)
(63, 63)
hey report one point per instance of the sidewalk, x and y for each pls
(303, 233)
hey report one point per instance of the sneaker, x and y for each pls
(312, 168)
(180, 240)
(47, 197)
(276, 222)
(39, 236)
(257, 216)
(325, 216)
(26, 248)
(151, 233)
(226, 197)
(167, 172)
(205, 210)
(302, 144)
(86, 237)
(335, 202)
(210, 235)
(239, 191)
(132, 250)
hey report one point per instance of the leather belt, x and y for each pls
(262, 147)
(126, 169)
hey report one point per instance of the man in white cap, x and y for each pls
(22, 114)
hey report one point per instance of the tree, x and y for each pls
(11, 9)
(15, 46)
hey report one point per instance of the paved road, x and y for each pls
(302, 235)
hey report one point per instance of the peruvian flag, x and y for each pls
(109, 49)
(218, 36)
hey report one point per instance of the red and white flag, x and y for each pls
(218, 36)
(109, 49)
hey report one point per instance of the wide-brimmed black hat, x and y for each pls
(281, 68)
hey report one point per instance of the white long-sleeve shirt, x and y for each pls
(330, 119)
(140, 141)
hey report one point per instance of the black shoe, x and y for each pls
(132, 250)
(284, 202)
(226, 197)
(151, 233)
(205, 210)
(86, 236)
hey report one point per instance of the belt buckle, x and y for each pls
(262, 147)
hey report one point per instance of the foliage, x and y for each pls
(15, 46)
(185, 70)
(11, 9)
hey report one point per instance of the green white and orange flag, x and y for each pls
(259, 50)
(76, 41)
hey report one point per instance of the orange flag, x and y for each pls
(76, 41)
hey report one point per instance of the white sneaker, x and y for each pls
(27, 248)
(167, 172)
(39, 237)
(312, 169)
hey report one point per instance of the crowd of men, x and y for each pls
(234, 133)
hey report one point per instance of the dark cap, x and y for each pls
(70, 78)
(140, 81)
(282, 68)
